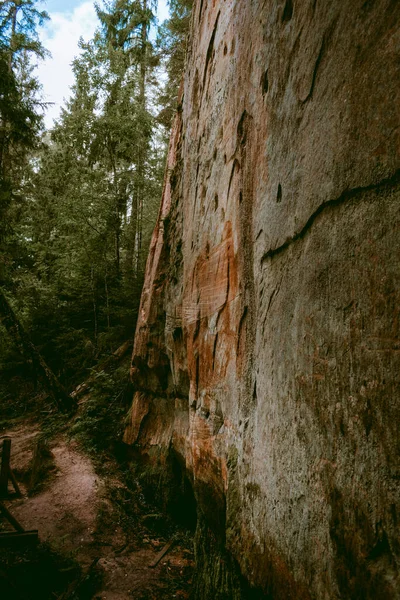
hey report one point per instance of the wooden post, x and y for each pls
(161, 554)
(15, 483)
(4, 511)
(18, 539)
(5, 466)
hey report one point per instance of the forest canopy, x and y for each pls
(78, 202)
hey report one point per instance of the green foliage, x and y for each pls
(172, 42)
(18, 22)
(91, 196)
(101, 420)
(77, 210)
(20, 114)
(20, 125)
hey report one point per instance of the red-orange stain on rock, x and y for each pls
(206, 313)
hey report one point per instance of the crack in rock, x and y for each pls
(389, 182)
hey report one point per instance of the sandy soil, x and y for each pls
(66, 515)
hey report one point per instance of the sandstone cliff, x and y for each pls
(267, 352)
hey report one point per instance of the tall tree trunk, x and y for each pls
(143, 52)
(137, 241)
(111, 145)
(43, 371)
(12, 39)
(131, 250)
(4, 125)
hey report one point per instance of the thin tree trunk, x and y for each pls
(107, 300)
(4, 125)
(117, 229)
(117, 216)
(141, 157)
(43, 371)
(117, 238)
(133, 218)
(12, 39)
(94, 305)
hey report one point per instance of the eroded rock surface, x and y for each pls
(266, 358)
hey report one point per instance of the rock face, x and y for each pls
(267, 352)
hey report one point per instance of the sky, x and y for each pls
(70, 20)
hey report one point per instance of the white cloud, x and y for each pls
(162, 12)
(60, 36)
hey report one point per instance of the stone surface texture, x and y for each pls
(267, 352)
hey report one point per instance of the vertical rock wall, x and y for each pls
(267, 353)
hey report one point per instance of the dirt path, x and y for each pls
(65, 512)
(68, 512)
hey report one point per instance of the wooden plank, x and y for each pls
(5, 466)
(17, 538)
(10, 518)
(15, 483)
(161, 554)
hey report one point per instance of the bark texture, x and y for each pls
(267, 352)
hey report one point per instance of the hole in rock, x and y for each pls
(177, 335)
(264, 82)
(279, 194)
(287, 11)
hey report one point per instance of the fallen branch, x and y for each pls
(6, 513)
(104, 365)
(161, 554)
(76, 586)
(14, 482)
(29, 350)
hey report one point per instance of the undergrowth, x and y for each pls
(98, 428)
(100, 420)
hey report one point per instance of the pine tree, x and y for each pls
(20, 123)
(97, 180)
(172, 43)
(126, 25)
(89, 198)
(20, 117)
